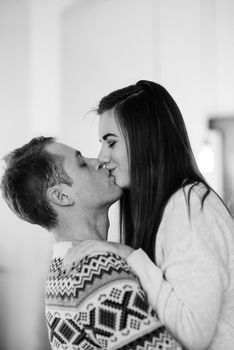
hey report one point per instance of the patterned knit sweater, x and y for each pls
(100, 304)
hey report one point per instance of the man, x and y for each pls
(98, 304)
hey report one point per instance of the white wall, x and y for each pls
(194, 50)
(57, 59)
(225, 56)
(105, 45)
(24, 249)
(180, 59)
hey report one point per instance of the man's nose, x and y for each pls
(96, 163)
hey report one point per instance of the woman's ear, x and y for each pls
(60, 196)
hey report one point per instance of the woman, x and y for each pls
(177, 234)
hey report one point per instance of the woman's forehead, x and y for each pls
(108, 124)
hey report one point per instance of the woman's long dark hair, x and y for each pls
(160, 155)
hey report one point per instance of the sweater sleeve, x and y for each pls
(186, 287)
(99, 304)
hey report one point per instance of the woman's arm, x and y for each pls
(186, 288)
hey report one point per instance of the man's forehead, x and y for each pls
(60, 149)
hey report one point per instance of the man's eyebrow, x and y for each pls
(108, 135)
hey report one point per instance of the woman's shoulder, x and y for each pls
(196, 193)
(197, 201)
(192, 213)
(188, 194)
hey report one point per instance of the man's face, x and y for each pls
(92, 186)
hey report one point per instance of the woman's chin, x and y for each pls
(122, 184)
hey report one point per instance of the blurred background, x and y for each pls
(57, 59)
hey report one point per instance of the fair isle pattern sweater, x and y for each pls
(100, 304)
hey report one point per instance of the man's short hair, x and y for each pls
(30, 171)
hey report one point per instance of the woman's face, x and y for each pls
(114, 149)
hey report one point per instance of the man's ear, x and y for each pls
(59, 195)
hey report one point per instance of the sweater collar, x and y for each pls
(60, 249)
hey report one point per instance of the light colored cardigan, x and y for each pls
(100, 304)
(191, 286)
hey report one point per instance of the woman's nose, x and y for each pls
(104, 156)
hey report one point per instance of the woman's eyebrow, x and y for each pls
(108, 135)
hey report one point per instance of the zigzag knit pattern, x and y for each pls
(100, 304)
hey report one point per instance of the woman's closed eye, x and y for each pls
(111, 143)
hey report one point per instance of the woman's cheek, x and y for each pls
(123, 181)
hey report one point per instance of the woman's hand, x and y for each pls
(85, 248)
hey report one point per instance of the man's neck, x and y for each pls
(82, 227)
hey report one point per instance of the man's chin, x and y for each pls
(113, 179)
(117, 194)
(119, 187)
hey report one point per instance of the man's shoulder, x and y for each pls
(92, 265)
(94, 273)
(100, 304)
(100, 300)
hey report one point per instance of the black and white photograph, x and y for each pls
(116, 174)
